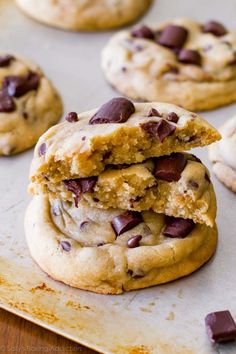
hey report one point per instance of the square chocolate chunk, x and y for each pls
(220, 326)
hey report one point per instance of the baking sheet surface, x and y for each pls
(163, 320)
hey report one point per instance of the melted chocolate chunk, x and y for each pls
(173, 36)
(5, 60)
(117, 110)
(66, 246)
(172, 117)
(133, 242)
(126, 221)
(17, 86)
(159, 130)
(188, 56)
(6, 103)
(178, 227)
(80, 186)
(42, 149)
(169, 168)
(71, 117)
(143, 32)
(153, 113)
(215, 28)
(220, 326)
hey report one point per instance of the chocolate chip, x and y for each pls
(215, 28)
(5, 60)
(153, 113)
(220, 326)
(83, 225)
(143, 32)
(66, 246)
(169, 168)
(6, 103)
(178, 227)
(207, 178)
(173, 36)
(83, 138)
(71, 117)
(188, 56)
(133, 242)
(126, 221)
(117, 110)
(18, 86)
(42, 149)
(80, 186)
(172, 117)
(159, 130)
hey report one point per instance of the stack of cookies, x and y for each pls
(118, 202)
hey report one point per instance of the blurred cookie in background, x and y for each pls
(85, 14)
(29, 104)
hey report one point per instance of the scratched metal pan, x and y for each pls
(167, 319)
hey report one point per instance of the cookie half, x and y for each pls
(84, 15)
(223, 155)
(108, 252)
(29, 104)
(118, 132)
(177, 185)
(182, 61)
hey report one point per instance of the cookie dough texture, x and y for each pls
(223, 155)
(136, 188)
(142, 69)
(35, 111)
(79, 149)
(84, 14)
(100, 262)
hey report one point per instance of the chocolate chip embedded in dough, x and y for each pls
(71, 117)
(17, 86)
(79, 186)
(172, 117)
(178, 227)
(188, 56)
(6, 103)
(42, 149)
(173, 36)
(215, 28)
(6, 60)
(117, 110)
(220, 326)
(66, 246)
(126, 221)
(169, 168)
(153, 113)
(133, 242)
(159, 130)
(143, 32)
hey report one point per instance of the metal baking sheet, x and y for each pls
(167, 319)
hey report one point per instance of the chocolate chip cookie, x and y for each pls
(111, 251)
(118, 132)
(84, 14)
(184, 62)
(223, 155)
(29, 104)
(176, 185)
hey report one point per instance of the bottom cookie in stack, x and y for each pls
(110, 251)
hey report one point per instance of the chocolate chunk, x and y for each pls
(159, 130)
(220, 326)
(18, 86)
(42, 149)
(71, 117)
(143, 32)
(66, 246)
(126, 221)
(117, 110)
(83, 225)
(153, 113)
(79, 186)
(178, 227)
(172, 117)
(169, 168)
(215, 28)
(5, 60)
(173, 36)
(133, 242)
(188, 56)
(6, 103)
